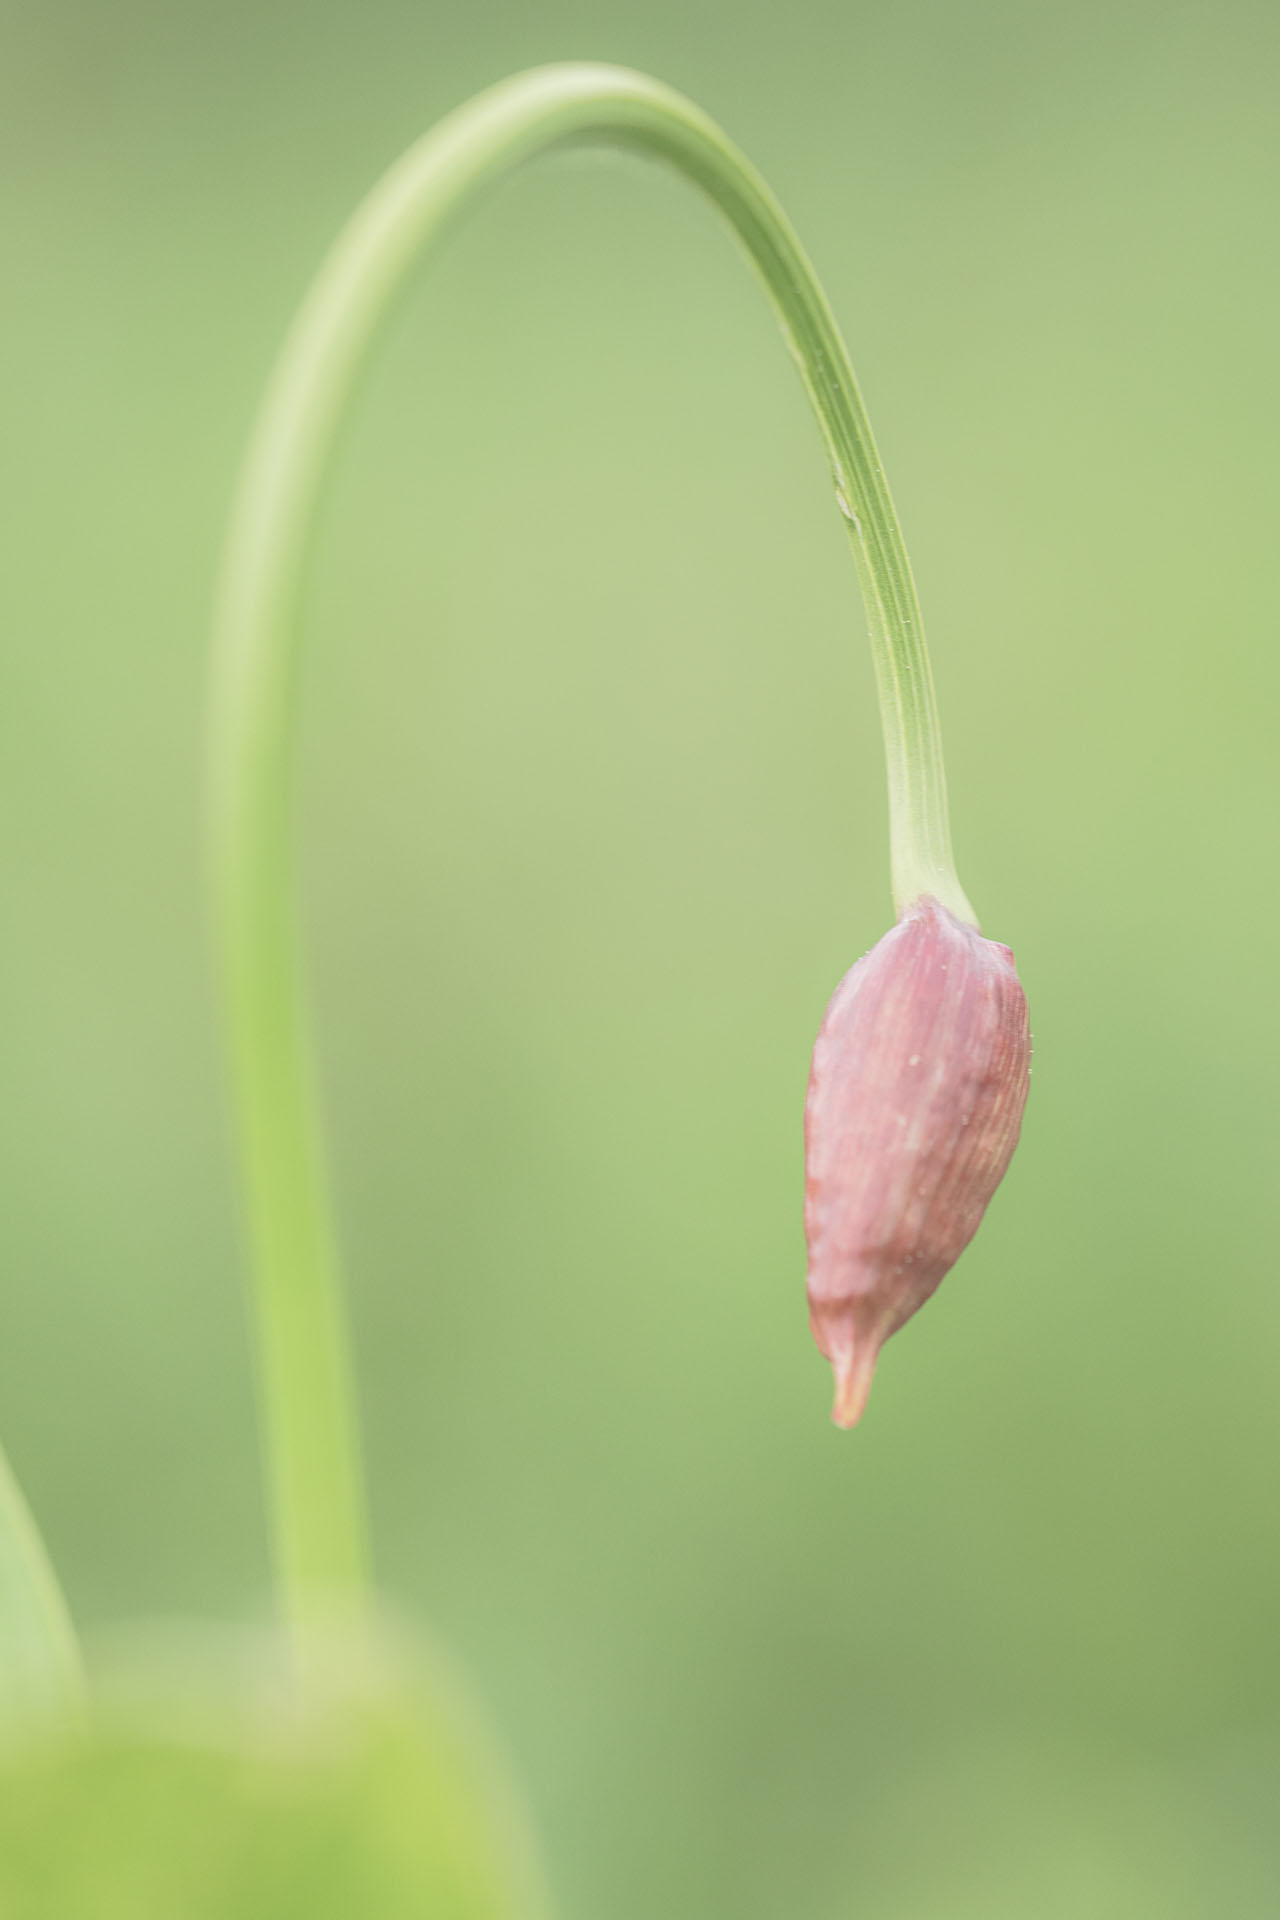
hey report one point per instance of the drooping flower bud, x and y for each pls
(916, 1093)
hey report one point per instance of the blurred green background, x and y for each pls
(593, 823)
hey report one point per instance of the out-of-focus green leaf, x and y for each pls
(39, 1659)
(387, 1802)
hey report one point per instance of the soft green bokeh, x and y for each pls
(200, 1790)
(594, 823)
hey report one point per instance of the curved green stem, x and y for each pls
(39, 1656)
(310, 1424)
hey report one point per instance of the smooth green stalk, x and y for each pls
(311, 1433)
(40, 1667)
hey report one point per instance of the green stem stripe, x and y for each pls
(316, 1488)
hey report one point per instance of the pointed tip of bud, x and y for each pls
(854, 1370)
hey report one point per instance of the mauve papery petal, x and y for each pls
(919, 1079)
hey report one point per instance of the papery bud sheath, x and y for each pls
(919, 1079)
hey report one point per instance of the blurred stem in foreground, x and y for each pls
(311, 1435)
(39, 1658)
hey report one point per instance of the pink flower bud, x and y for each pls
(919, 1079)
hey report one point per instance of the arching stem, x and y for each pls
(306, 1392)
